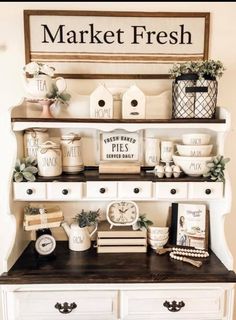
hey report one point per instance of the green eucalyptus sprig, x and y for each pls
(216, 168)
(86, 219)
(25, 170)
(29, 210)
(61, 97)
(142, 223)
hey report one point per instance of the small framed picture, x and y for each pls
(189, 226)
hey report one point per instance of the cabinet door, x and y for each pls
(171, 190)
(135, 190)
(101, 189)
(149, 304)
(64, 191)
(205, 190)
(29, 191)
(40, 305)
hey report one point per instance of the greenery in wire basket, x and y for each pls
(86, 219)
(216, 168)
(212, 68)
(25, 170)
(143, 223)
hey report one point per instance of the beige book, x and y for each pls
(122, 249)
(119, 242)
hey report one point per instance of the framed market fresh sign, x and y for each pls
(115, 44)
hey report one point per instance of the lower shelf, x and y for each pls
(90, 267)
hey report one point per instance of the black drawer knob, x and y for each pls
(173, 306)
(208, 191)
(173, 191)
(102, 190)
(65, 191)
(136, 190)
(65, 307)
(29, 191)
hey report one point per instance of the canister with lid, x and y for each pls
(72, 161)
(33, 138)
(49, 159)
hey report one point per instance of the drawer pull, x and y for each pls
(208, 191)
(102, 190)
(173, 191)
(65, 191)
(65, 307)
(174, 306)
(29, 191)
(136, 190)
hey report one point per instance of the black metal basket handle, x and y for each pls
(196, 89)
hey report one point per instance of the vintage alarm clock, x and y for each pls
(122, 213)
(45, 243)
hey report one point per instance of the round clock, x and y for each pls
(45, 243)
(122, 213)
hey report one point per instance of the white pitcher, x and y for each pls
(79, 238)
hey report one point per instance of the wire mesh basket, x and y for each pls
(193, 97)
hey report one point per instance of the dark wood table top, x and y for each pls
(90, 267)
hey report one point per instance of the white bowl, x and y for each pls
(194, 150)
(157, 243)
(158, 236)
(192, 166)
(158, 230)
(196, 138)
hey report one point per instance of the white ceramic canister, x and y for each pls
(152, 151)
(72, 161)
(33, 138)
(49, 159)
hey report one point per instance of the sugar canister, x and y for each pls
(72, 161)
(33, 138)
(49, 159)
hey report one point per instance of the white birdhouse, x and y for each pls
(101, 103)
(133, 103)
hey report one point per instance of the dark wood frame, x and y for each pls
(28, 13)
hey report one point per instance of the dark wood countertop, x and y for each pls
(90, 267)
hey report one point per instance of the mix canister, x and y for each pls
(49, 159)
(72, 161)
(33, 138)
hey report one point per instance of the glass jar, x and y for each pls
(49, 159)
(33, 138)
(72, 161)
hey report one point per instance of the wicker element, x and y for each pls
(194, 97)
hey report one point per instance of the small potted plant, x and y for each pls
(25, 170)
(216, 168)
(195, 88)
(78, 233)
(142, 223)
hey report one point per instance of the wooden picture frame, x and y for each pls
(127, 45)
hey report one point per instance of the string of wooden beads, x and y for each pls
(190, 252)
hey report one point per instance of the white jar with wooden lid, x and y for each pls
(72, 161)
(33, 138)
(49, 159)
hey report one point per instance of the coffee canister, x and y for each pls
(72, 161)
(33, 138)
(49, 159)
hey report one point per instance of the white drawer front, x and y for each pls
(135, 189)
(91, 305)
(171, 190)
(64, 191)
(29, 191)
(101, 189)
(205, 190)
(199, 304)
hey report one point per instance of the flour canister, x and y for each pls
(72, 161)
(49, 159)
(33, 138)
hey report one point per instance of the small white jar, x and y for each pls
(33, 138)
(49, 159)
(72, 161)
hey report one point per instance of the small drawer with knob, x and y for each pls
(135, 190)
(171, 190)
(205, 190)
(101, 189)
(64, 191)
(29, 191)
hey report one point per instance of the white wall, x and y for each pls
(222, 47)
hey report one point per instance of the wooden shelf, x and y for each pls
(91, 267)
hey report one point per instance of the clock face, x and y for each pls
(45, 244)
(122, 213)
